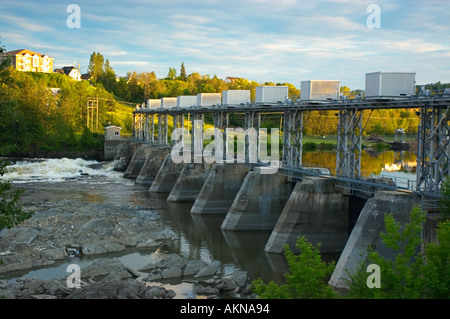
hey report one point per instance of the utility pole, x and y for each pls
(92, 112)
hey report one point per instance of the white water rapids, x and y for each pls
(58, 170)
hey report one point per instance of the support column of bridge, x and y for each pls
(292, 138)
(316, 210)
(152, 164)
(164, 171)
(166, 176)
(251, 136)
(349, 143)
(138, 160)
(198, 120)
(125, 156)
(433, 153)
(221, 123)
(193, 175)
(224, 180)
(138, 130)
(366, 233)
(220, 188)
(133, 124)
(162, 129)
(149, 128)
(189, 182)
(259, 202)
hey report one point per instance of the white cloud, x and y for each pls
(262, 40)
(26, 24)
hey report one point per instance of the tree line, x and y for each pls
(44, 112)
(138, 87)
(34, 117)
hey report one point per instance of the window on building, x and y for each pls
(35, 61)
(116, 133)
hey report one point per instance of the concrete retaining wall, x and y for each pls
(189, 182)
(111, 148)
(366, 233)
(166, 176)
(220, 188)
(259, 202)
(153, 163)
(125, 155)
(316, 210)
(138, 160)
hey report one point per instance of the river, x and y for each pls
(47, 181)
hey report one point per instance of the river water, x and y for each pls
(199, 237)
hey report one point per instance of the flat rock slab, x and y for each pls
(78, 228)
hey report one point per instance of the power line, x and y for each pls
(120, 102)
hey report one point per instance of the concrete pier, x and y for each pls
(220, 188)
(189, 182)
(111, 148)
(366, 233)
(125, 155)
(152, 164)
(316, 210)
(138, 160)
(166, 176)
(259, 202)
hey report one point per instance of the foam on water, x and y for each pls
(54, 170)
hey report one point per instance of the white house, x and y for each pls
(112, 132)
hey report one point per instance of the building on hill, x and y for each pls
(231, 79)
(86, 76)
(29, 61)
(71, 71)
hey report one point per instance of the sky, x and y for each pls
(260, 40)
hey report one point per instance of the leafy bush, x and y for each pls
(411, 275)
(10, 213)
(307, 278)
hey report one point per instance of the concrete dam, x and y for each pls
(339, 219)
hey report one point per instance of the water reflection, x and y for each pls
(371, 162)
(201, 237)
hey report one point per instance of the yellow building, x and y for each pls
(26, 60)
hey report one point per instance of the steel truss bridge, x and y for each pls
(433, 156)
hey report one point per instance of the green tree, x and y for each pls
(183, 75)
(11, 214)
(444, 203)
(96, 65)
(411, 274)
(437, 265)
(307, 277)
(172, 74)
(108, 77)
(87, 139)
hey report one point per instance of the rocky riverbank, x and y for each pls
(70, 227)
(59, 230)
(110, 279)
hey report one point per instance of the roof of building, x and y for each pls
(86, 76)
(112, 126)
(65, 70)
(23, 52)
(231, 78)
